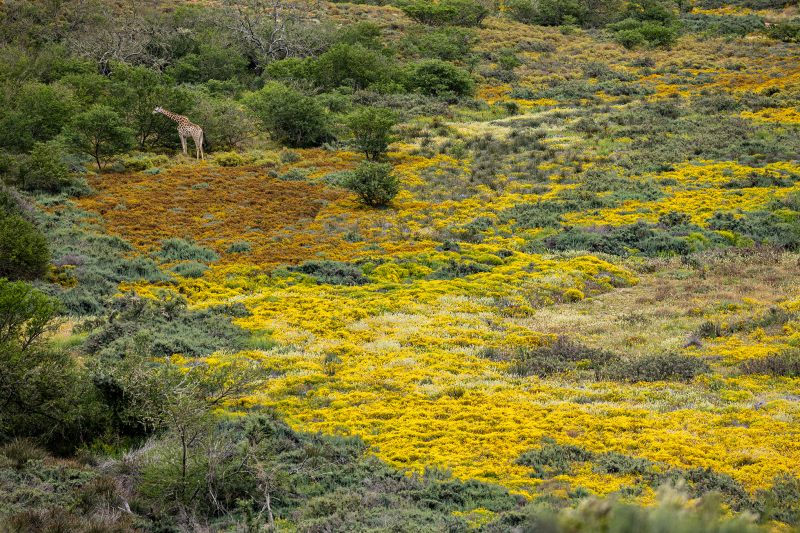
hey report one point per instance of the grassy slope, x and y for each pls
(399, 361)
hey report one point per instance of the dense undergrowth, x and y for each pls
(564, 298)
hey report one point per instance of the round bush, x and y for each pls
(374, 184)
(439, 77)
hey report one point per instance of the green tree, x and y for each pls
(351, 65)
(23, 249)
(136, 91)
(34, 113)
(436, 77)
(372, 130)
(100, 133)
(288, 115)
(44, 171)
(35, 381)
(430, 13)
(374, 184)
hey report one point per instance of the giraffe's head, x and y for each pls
(157, 110)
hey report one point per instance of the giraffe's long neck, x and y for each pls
(170, 114)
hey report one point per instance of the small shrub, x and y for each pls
(137, 164)
(190, 269)
(238, 247)
(180, 250)
(295, 174)
(573, 295)
(374, 184)
(656, 367)
(288, 156)
(332, 272)
(552, 459)
(435, 77)
(228, 159)
(372, 130)
(785, 365)
(561, 356)
(20, 451)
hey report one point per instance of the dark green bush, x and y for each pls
(562, 356)
(374, 184)
(447, 44)
(372, 130)
(785, 31)
(435, 77)
(458, 269)
(288, 115)
(656, 367)
(332, 272)
(175, 249)
(24, 254)
(552, 459)
(190, 269)
(352, 66)
(785, 365)
(163, 328)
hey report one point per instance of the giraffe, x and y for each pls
(185, 129)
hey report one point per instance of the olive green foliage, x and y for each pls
(436, 77)
(44, 171)
(38, 384)
(447, 44)
(552, 459)
(783, 364)
(372, 130)
(24, 254)
(657, 367)
(785, 31)
(588, 13)
(352, 66)
(136, 91)
(162, 328)
(374, 184)
(288, 115)
(181, 250)
(331, 272)
(35, 112)
(100, 133)
(448, 12)
(561, 356)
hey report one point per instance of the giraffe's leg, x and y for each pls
(183, 144)
(200, 146)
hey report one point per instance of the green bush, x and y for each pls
(351, 66)
(137, 164)
(435, 77)
(447, 44)
(785, 364)
(374, 184)
(190, 269)
(100, 133)
(162, 328)
(372, 130)
(430, 13)
(561, 356)
(288, 115)
(656, 367)
(228, 159)
(332, 272)
(24, 254)
(44, 170)
(784, 31)
(34, 113)
(552, 459)
(175, 249)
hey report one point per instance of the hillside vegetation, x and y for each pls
(448, 266)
